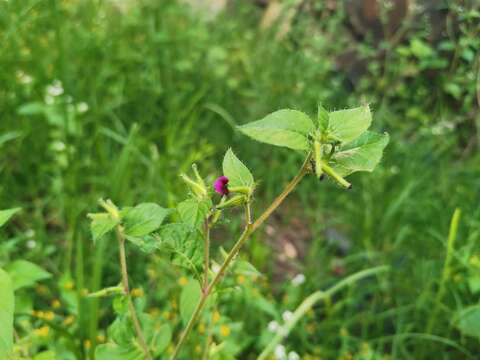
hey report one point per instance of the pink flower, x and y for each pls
(220, 185)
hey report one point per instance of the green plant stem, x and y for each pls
(452, 236)
(249, 229)
(207, 253)
(279, 199)
(126, 288)
(329, 171)
(310, 301)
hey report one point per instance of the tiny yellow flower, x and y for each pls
(41, 289)
(56, 304)
(49, 315)
(101, 338)
(224, 330)
(166, 315)
(42, 332)
(198, 349)
(40, 314)
(241, 279)
(216, 317)
(70, 319)
(154, 311)
(137, 292)
(201, 328)
(343, 332)
(183, 281)
(68, 285)
(174, 304)
(87, 344)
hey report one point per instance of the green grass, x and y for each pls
(163, 90)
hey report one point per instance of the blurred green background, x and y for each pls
(110, 98)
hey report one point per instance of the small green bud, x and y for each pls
(197, 176)
(234, 201)
(198, 189)
(110, 207)
(332, 173)
(240, 189)
(318, 158)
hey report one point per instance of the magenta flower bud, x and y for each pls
(221, 185)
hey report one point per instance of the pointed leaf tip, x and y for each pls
(286, 128)
(236, 171)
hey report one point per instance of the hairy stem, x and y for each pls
(207, 253)
(249, 229)
(126, 289)
(279, 199)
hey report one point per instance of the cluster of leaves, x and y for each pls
(339, 138)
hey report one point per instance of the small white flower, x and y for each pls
(82, 107)
(30, 233)
(23, 78)
(31, 244)
(55, 89)
(292, 355)
(273, 326)
(298, 280)
(58, 146)
(215, 268)
(280, 352)
(287, 315)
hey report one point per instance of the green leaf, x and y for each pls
(193, 212)
(5, 215)
(287, 128)
(161, 339)
(468, 321)
(45, 355)
(237, 173)
(101, 225)
(347, 125)
(183, 243)
(322, 118)
(147, 243)
(474, 283)
(243, 267)
(363, 154)
(143, 219)
(31, 108)
(123, 344)
(111, 350)
(24, 273)
(189, 299)
(6, 315)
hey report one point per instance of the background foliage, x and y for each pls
(115, 99)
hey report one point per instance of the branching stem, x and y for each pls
(249, 229)
(131, 307)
